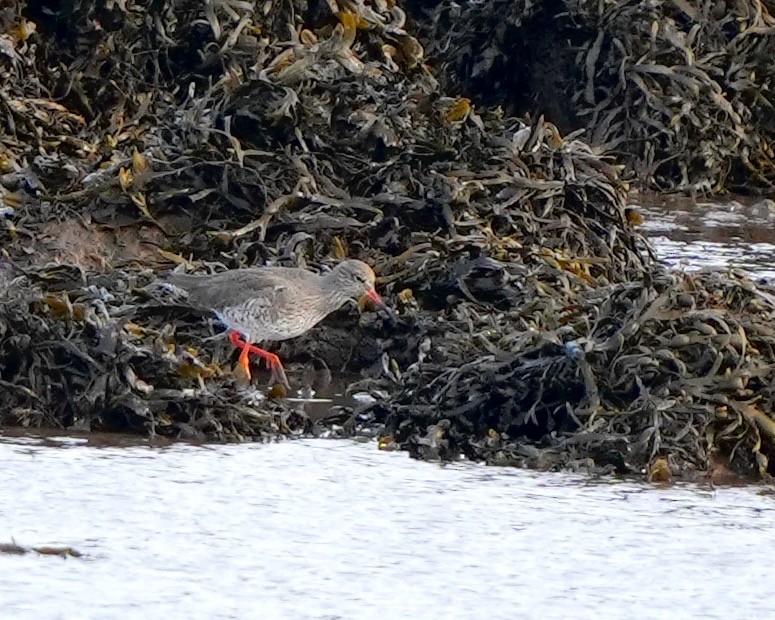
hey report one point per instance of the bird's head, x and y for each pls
(356, 280)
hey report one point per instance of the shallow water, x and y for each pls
(337, 529)
(695, 235)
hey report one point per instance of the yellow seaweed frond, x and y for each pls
(458, 111)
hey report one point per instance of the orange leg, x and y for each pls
(272, 361)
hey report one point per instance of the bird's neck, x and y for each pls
(331, 291)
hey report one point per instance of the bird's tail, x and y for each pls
(172, 283)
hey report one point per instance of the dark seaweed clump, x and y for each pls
(533, 325)
(683, 92)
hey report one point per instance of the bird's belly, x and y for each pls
(288, 327)
(278, 328)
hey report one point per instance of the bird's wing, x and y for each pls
(232, 288)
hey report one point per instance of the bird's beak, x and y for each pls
(374, 298)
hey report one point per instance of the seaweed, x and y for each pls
(682, 92)
(533, 324)
(13, 548)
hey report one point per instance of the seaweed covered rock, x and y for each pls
(72, 356)
(625, 371)
(532, 320)
(682, 91)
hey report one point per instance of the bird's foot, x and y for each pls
(272, 361)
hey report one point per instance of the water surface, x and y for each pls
(693, 235)
(337, 529)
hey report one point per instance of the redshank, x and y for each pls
(275, 303)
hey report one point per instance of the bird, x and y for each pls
(266, 303)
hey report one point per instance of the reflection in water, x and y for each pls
(335, 529)
(697, 235)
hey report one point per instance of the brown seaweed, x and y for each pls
(681, 91)
(534, 326)
(13, 548)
